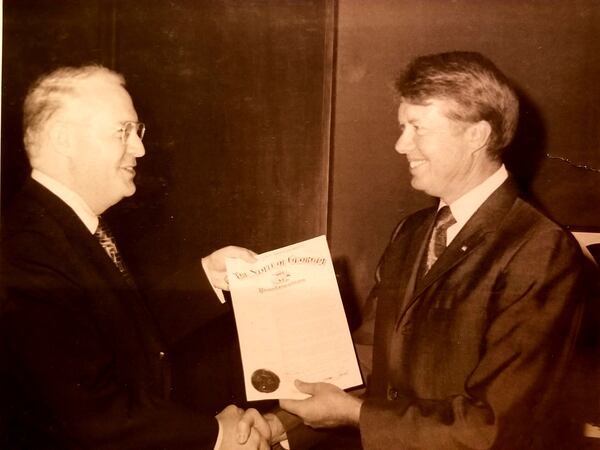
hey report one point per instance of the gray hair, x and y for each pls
(49, 94)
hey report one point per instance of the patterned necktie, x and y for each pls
(107, 241)
(437, 244)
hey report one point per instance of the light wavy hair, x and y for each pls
(474, 88)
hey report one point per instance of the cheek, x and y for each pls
(111, 161)
(430, 146)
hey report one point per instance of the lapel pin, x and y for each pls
(464, 248)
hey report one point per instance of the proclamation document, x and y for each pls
(291, 321)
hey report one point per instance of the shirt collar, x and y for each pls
(72, 199)
(464, 207)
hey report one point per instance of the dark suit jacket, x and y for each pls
(87, 364)
(474, 355)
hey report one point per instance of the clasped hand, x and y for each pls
(329, 406)
(248, 429)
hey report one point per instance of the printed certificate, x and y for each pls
(291, 321)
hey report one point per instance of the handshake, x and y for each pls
(327, 407)
(248, 429)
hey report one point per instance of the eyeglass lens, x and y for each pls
(138, 127)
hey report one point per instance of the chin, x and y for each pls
(418, 186)
(129, 193)
(129, 189)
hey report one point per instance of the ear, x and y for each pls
(478, 135)
(60, 135)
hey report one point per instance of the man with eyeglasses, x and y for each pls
(87, 364)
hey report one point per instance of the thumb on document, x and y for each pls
(305, 388)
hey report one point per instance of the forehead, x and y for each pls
(430, 110)
(102, 101)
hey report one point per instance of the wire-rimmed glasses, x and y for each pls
(128, 127)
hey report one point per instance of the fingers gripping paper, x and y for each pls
(291, 321)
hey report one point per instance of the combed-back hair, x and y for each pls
(474, 87)
(50, 92)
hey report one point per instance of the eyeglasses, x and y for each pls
(128, 127)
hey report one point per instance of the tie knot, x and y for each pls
(444, 218)
(437, 242)
(102, 229)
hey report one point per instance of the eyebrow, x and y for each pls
(413, 121)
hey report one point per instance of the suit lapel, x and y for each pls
(85, 243)
(416, 245)
(486, 220)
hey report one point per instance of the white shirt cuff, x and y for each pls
(218, 292)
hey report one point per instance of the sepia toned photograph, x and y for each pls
(300, 224)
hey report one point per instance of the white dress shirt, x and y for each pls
(463, 208)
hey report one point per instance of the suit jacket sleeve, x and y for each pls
(185, 302)
(533, 317)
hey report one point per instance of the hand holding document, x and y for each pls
(291, 321)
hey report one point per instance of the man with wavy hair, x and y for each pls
(477, 301)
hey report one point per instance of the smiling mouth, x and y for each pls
(129, 169)
(415, 164)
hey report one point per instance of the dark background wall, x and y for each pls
(38, 36)
(550, 49)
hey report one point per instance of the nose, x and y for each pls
(405, 142)
(135, 146)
